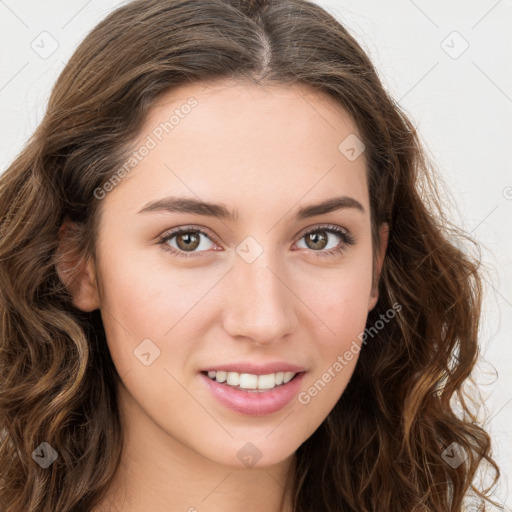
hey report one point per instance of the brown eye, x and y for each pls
(188, 241)
(318, 240)
(333, 238)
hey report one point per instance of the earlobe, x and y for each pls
(76, 273)
(384, 237)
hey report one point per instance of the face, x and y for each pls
(252, 289)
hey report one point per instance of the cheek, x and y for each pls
(341, 298)
(341, 309)
(139, 302)
(139, 291)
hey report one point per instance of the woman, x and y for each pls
(226, 281)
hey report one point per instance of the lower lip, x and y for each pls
(254, 403)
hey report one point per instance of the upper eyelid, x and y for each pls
(327, 227)
(181, 229)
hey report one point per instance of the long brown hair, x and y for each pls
(383, 446)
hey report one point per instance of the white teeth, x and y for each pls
(288, 376)
(233, 379)
(250, 381)
(267, 381)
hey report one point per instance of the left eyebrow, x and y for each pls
(331, 205)
(220, 211)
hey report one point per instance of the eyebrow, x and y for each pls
(220, 211)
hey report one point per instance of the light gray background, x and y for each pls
(460, 101)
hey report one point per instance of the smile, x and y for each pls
(253, 394)
(251, 382)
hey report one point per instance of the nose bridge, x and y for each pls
(260, 306)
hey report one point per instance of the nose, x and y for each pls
(260, 305)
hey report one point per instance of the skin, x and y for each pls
(265, 151)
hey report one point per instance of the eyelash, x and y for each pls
(347, 239)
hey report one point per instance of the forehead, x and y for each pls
(245, 145)
(234, 104)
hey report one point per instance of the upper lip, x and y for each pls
(255, 368)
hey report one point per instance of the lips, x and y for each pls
(252, 388)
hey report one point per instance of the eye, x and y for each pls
(184, 241)
(318, 239)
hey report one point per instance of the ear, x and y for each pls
(384, 237)
(78, 275)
